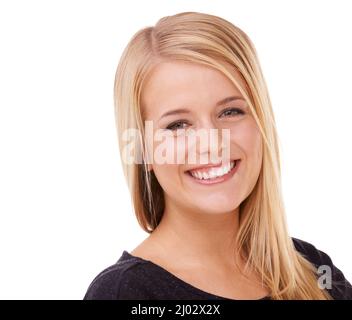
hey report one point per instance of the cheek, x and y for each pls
(168, 177)
(247, 137)
(162, 147)
(164, 153)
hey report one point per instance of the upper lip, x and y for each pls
(210, 165)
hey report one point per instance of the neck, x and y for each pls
(198, 236)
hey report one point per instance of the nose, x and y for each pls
(209, 143)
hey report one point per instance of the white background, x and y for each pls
(65, 213)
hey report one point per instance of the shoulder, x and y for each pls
(310, 252)
(340, 288)
(121, 281)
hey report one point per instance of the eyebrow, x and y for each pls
(183, 110)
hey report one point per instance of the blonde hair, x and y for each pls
(212, 41)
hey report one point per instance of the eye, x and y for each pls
(229, 112)
(181, 124)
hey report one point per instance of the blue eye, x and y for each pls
(232, 112)
(176, 125)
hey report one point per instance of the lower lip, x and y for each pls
(223, 178)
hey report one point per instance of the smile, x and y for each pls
(214, 174)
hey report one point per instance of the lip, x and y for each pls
(209, 165)
(216, 180)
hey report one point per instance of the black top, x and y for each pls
(135, 278)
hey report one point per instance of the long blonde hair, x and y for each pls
(212, 41)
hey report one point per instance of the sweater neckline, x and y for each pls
(188, 286)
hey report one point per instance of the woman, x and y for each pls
(217, 228)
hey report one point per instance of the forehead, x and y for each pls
(176, 83)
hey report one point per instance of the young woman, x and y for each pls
(217, 229)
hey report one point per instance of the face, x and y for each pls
(201, 98)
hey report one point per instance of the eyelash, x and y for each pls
(238, 110)
(173, 124)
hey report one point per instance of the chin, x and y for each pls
(218, 207)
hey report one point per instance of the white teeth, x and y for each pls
(220, 171)
(213, 172)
